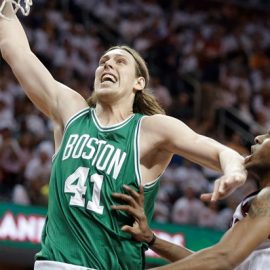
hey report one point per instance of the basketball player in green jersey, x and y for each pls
(119, 136)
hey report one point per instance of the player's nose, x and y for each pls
(108, 64)
(259, 139)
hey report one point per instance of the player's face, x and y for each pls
(260, 152)
(116, 75)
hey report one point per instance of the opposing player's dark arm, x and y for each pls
(141, 231)
(170, 251)
(236, 244)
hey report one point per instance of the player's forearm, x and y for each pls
(170, 251)
(203, 260)
(12, 34)
(231, 162)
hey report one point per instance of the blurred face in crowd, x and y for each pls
(115, 77)
(259, 160)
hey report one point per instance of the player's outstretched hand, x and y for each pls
(135, 207)
(225, 185)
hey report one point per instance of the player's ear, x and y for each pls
(139, 83)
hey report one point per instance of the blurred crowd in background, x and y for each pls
(210, 68)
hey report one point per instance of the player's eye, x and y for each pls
(101, 63)
(120, 61)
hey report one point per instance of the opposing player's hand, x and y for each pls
(135, 207)
(225, 185)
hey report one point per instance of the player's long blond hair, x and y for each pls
(144, 102)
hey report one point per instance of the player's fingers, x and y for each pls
(239, 180)
(215, 194)
(222, 187)
(129, 229)
(141, 192)
(127, 198)
(227, 185)
(135, 195)
(126, 208)
(206, 197)
(138, 214)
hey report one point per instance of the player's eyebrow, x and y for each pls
(106, 56)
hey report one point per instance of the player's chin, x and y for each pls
(103, 90)
(103, 94)
(108, 88)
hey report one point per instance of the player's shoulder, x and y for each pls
(260, 206)
(264, 194)
(158, 120)
(163, 125)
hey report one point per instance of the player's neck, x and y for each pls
(265, 180)
(110, 115)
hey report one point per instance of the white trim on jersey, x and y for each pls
(49, 265)
(75, 116)
(137, 156)
(109, 127)
(152, 183)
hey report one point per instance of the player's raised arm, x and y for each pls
(45, 92)
(173, 136)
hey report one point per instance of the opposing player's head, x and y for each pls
(259, 160)
(122, 74)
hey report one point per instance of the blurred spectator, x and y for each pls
(187, 209)
(235, 142)
(224, 216)
(11, 160)
(182, 107)
(190, 176)
(162, 93)
(207, 217)
(37, 173)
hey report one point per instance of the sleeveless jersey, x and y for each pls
(94, 161)
(259, 259)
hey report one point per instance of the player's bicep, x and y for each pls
(36, 81)
(47, 94)
(176, 137)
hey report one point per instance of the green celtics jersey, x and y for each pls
(93, 162)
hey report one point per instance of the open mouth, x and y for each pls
(108, 78)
